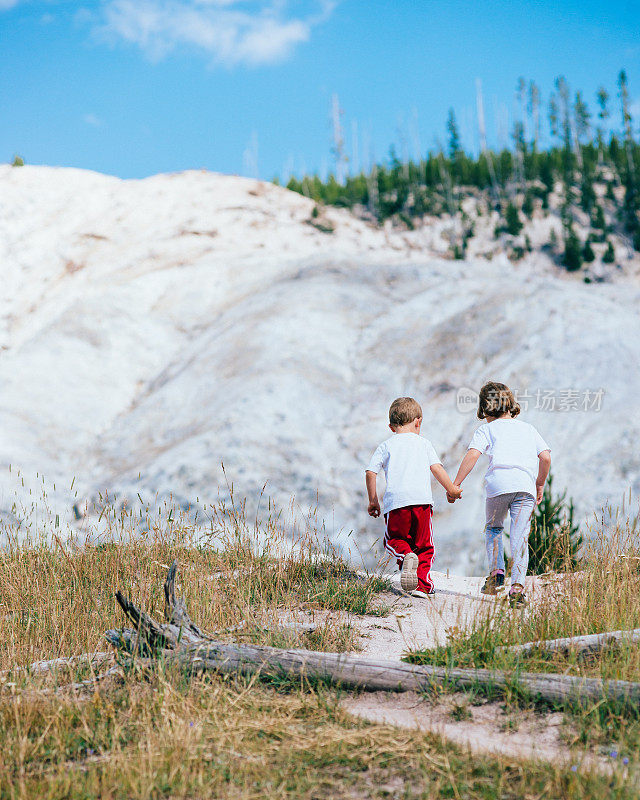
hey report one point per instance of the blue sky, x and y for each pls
(135, 87)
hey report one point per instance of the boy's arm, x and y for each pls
(468, 463)
(372, 491)
(544, 465)
(440, 474)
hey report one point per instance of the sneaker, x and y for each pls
(493, 583)
(420, 593)
(409, 574)
(517, 599)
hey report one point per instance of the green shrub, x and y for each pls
(587, 252)
(18, 161)
(555, 540)
(609, 254)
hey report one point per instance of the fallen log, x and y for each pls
(94, 660)
(583, 645)
(177, 642)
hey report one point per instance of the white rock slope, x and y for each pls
(152, 329)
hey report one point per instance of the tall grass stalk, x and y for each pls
(57, 597)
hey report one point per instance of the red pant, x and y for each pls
(409, 530)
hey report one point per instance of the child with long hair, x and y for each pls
(519, 462)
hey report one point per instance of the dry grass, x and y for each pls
(601, 596)
(156, 733)
(58, 600)
(208, 737)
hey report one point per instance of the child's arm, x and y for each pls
(468, 463)
(544, 465)
(372, 491)
(440, 474)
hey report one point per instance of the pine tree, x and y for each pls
(630, 206)
(527, 205)
(587, 252)
(554, 540)
(554, 116)
(454, 135)
(603, 115)
(572, 257)
(547, 177)
(587, 192)
(512, 219)
(534, 111)
(599, 221)
(560, 115)
(519, 133)
(582, 117)
(609, 254)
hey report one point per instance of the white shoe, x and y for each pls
(409, 574)
(418, 593)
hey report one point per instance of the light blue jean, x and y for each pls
(520, 507)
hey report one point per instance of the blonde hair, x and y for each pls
(496, 400)
(404, 410)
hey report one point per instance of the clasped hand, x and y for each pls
(453, 496)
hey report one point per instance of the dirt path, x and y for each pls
(422, 622)
(485, 727)
(481, 726)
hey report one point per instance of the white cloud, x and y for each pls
(91, 119)
(5, 5)
(232, 32)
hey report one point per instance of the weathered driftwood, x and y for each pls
(584, 645)
(180, 642)
(90, 684)
(87, 685)
(94, 660)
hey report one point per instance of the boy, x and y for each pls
(408, 461)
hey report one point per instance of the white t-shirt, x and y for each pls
(406, 459)
(513, 448)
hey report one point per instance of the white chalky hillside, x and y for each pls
(152, 329)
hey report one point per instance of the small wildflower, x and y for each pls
(625, 761)
(614, 754)
(574, 768)
(191, 724)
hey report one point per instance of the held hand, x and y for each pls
(454, 494)
(374, 508)
(539, 493)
